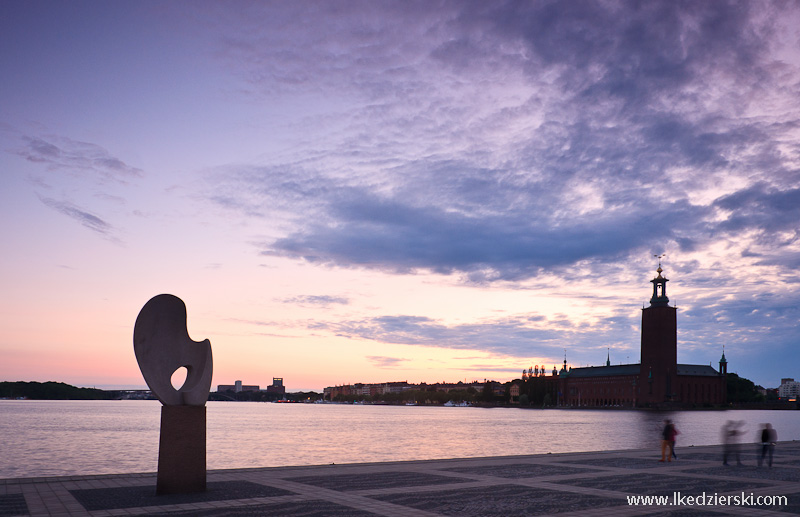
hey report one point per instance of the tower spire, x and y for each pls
(659, 286)
(723, 363)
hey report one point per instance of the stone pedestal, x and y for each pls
(182, 450)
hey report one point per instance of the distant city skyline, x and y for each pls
(359, 191)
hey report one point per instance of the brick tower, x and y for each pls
(658, 374)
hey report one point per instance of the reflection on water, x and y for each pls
(46, 438)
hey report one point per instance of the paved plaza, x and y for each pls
(598, 483)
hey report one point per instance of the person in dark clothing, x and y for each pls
(769, 437)
(668, 441)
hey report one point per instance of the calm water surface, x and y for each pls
(49, 438)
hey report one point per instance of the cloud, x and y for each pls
(86, 219)
(388, 235)
(509, 337)
(62, 153)
(705, 324)
(80, 170)
(516, 138)
(318, 300)
(489, 368)
(761, 207)
(743, 323)
(385, 362)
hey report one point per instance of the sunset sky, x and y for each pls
(347, 191)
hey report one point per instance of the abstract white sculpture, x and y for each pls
(162, 345)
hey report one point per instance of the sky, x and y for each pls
(370, 191)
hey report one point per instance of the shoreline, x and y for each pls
(788, 406)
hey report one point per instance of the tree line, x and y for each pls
(52, 391)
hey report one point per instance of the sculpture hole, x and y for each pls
(178, 378)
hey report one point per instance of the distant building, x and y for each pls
(237, 387)
(393, 387)
(658, 380)
(458, 386)
(789, 389)
(276, 386)
(347, 390)
(331, 392)
(513, 391)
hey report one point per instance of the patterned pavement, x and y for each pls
(578, 484)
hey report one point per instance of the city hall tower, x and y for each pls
(659, 348)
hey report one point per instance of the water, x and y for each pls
(50, 438)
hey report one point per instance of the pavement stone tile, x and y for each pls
(498, 501)
(299, 509)
(794, 451)
(716, 456)
(141, 496)
(13, 504)
(628, 463)
(370, 481)
(521, 470)
(661, 484)
(775, 473)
